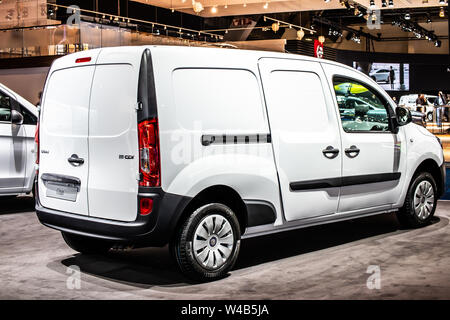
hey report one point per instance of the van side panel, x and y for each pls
(203, 93)
(113, 143)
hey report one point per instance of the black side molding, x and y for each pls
(259, 213)
(208, 139)
(344, 181)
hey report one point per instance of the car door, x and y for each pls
(305, 136)
(29, 125)
(12, 147)
(374, 157)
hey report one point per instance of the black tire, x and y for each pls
(86, 245)
(182, 246)
(407, 216)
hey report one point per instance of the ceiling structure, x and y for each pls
(219, 8)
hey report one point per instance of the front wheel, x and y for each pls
(420, 202)
(207, 245)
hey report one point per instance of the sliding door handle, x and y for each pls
(330, 152)
(352, 152)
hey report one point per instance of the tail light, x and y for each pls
(145, 206)
(36, 143)
(149, 158)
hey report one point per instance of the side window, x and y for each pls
(5, 107)
(28, 117)
(361, 108)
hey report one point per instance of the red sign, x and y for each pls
(318, 49)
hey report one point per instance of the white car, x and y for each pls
(18, 119)
(381, 75)
(409, 101)
(203, 147)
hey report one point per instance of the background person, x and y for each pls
(392, 77)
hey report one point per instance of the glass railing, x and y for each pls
(63, 39)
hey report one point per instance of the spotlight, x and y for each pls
(437, 43)
(442, 12)
(326, 1)
(383, 3)
(407, 16)
(214, 9)
(441, 1)
(372, 4)
(391, 3)
(428, 19)
(266, 5)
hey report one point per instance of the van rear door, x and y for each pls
(64, 161)
(113, 143)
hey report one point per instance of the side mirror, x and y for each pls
(16, 117)
(403, 116)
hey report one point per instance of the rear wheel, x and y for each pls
(420, 202)
(85, 244)
(208, 242)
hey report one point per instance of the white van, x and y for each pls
(202, 147)
(409, 101)
(18, 119)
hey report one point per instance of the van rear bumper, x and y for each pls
(155, 229)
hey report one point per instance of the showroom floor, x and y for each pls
(325, 262)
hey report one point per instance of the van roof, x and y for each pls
(133, 53)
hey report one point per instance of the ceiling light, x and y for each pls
(372, 4)
(321, 39)
(437, 43)
(407, 16)
(441, 1)
(300, 34)
(225, 6)
(275, 26)
(391, 3)
(266, 5)
(326, 1)
(442, 13)
(197, 6)
(214, 9)
(245, 5)
(383, 3)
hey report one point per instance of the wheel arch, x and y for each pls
(430, 165)
(220, 194)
